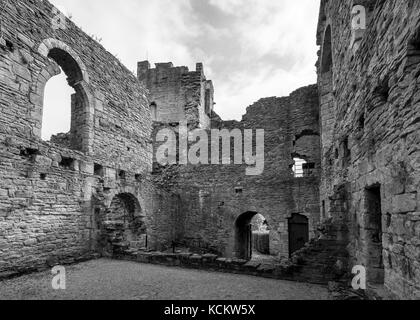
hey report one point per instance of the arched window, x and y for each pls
(70, 117)
(56, 115)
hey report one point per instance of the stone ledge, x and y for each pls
(47, 265)
(211, 262)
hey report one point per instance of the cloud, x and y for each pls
(250, 48)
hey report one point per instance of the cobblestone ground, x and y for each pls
(109, 279)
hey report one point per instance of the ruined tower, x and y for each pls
(177, 94)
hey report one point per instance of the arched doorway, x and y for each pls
(298, 232)
(123, 225)
(251, 235)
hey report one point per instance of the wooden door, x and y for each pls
(298, 232)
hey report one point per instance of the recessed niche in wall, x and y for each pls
(75, 116)
(361, 122)
(98, 170)
(67, 163)
(373, 230)
(380, 95)
(413, 52)
(6, 45)
(345, 151)
(308, 169)
(122, 174)
(29, 152)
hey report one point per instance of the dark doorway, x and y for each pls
(375, 266)
(243, 236)
(298, 232)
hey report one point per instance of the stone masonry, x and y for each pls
(214, 197)
(99, 190)
(368, 83)
(55, 200)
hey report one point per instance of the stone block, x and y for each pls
(144, 257)
(196, 259)
(210, 260)
(404, 203)
(42, 161)
(266, 268)
(252, 265)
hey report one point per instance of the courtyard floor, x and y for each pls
(119, 280)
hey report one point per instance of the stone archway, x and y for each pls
(123, 225)
(245, 230)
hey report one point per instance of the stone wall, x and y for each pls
(90, 190)
(214, 197)
(370, 110)
(52, 193)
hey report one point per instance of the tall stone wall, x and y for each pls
(214, 197)
(53, 193)
(370, 107)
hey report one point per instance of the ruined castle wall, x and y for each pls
(214, 196)
(177, 93)
(164, 84)
(371, 146)
(50, 193)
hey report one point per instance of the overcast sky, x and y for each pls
(250, 48)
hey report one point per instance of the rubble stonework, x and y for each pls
(214, 198)
(99, 189)
(53, 195)
(370, 107)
